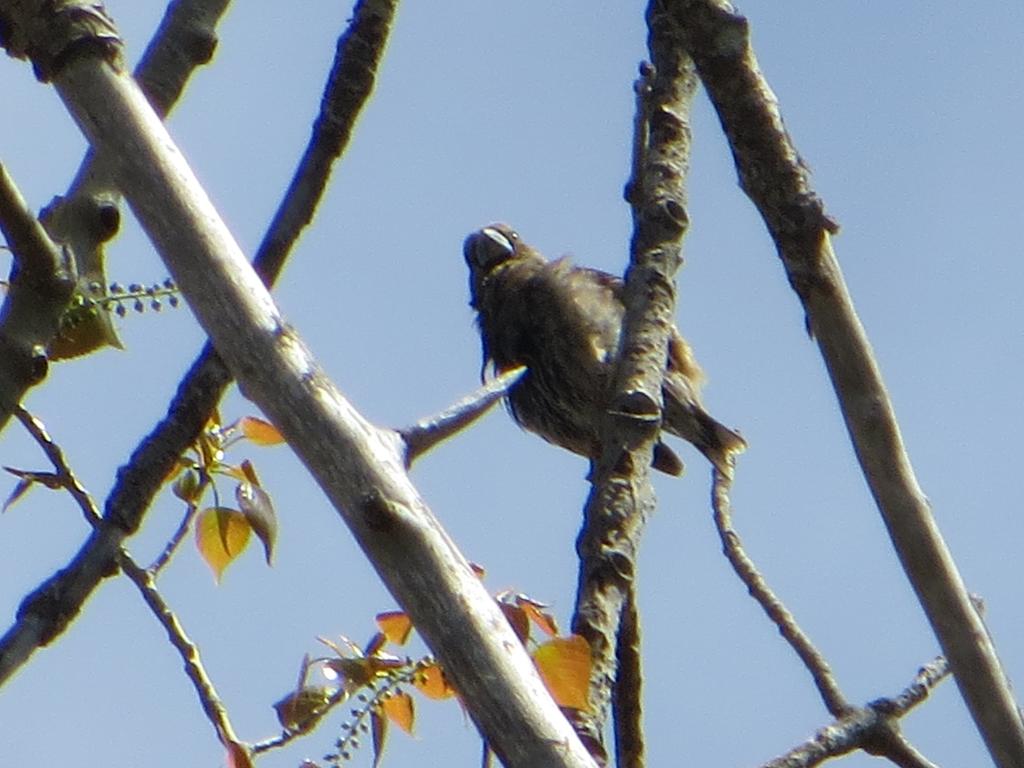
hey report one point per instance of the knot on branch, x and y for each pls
(26, 363)
(380, 513)
(54, 33)
(670, 215)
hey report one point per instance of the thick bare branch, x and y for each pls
(622, 497)
(358, 465)
(776, 180)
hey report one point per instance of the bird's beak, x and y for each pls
(487, 247)
(499, 239)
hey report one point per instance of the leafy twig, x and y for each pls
(46, 612)
(143, 580)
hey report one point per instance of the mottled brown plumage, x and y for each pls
(563, 322)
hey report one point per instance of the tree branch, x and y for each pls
(773, 176)
(46, 612)
(621, 496)
(428, 432)
(873, 728)
(42, 280)
(627, 704)
(755, 583)
(87, 216)
(143, 580)
(358, 465)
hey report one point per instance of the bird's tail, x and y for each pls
(721, 445)
(712, 438)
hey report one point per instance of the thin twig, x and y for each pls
(627, 703)
(798, 640)
(194, 669)
(174, 542)
(777, 181)
(208, 697)
(428, 432)
(53, 452)
(873, 728)
(927, 678)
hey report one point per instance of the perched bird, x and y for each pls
(563, 322)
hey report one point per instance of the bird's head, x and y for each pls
(490, 246)
(485, 250)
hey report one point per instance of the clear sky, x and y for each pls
(907, 113)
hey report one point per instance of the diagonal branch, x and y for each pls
(358, 465)
(426, 433)
(776, 180)
(622, 497)
(46, 612)
(87, 216)
(821, 672)
(144, 582)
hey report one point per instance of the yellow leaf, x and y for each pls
(564, 666)
(83, 330)
(535, 611)
(518, 620)
(396, 626)
(399, 709)
(432, 682)
(221, 536)
(259, 431)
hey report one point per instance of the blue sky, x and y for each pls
(907, 115)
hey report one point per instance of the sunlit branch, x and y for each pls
(776, 179)
(428, 432)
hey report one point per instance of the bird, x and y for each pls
(563, 323)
